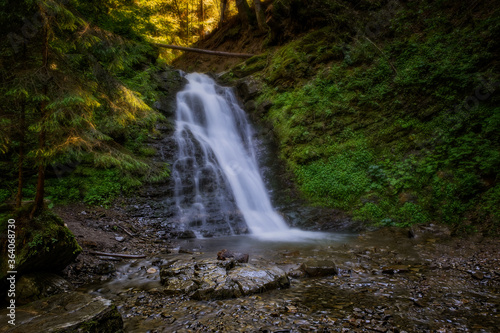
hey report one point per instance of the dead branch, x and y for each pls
(119, 255)
(192, 49)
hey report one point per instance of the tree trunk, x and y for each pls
(243, 12)
(201, 19)
(180, 15)
(223, 6)
(40, 185)
(187, 23)
(261, 16)
(20, 178)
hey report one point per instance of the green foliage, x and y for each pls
(340, 181)
(411, 213)
(92, 186)
(5, 194)
(94, 97)
(371, 212)
(161, 175)
(399, 128)
(104, 186)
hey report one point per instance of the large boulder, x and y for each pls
(252, 279)
(42, 244)
(248, 88)
(68, 312)
(220, 279)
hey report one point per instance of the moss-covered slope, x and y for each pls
(391, 111)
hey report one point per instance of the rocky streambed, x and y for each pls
(388, 280)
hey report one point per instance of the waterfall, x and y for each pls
(217, 180)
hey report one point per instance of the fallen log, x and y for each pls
(192, 49)
(119, 255)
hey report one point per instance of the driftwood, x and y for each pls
(125, 231)
(119, 255)
(192, 49)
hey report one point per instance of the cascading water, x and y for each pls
(217, 181)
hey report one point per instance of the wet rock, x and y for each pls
(207, 234)
(252, 279)
(184, 250)
(104, 268)
(34, 286)
(315, 218)
(186, 234)
(238, 257)
(250, 106)
(170, 81)
(395, 269)
(220, 279)
(315, 268)
(248, 88)
(431, 230)
(294, 270)
(67, 312)
(179, 286)
(418, 302)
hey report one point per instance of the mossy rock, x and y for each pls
(170, 82)
(42, 244)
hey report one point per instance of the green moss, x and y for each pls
(249, 67)
(388, 129)
(339, 181)
(42, 244)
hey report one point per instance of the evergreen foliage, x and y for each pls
(83, 89)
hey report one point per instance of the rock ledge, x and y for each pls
(216, 279)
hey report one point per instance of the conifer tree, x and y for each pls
(67, 93)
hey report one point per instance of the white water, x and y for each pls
(213, 134)
(220, 127)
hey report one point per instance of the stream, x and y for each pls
(385, 283)
(384, 280)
